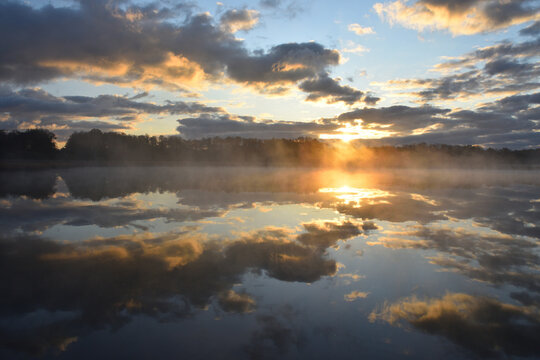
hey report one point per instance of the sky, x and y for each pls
(395, 72)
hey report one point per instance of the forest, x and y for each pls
(111, 148)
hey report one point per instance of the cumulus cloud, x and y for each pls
(98, 41)
(351, 47)
(327, 234)
(355, 295)
(360, 30)
(486, 326)
(458, 17)
(324, 87)
(236, 20)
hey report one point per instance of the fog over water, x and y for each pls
(267, 263)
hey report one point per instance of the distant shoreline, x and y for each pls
(35, 165)
(36, 149)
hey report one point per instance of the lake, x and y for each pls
(267, 263)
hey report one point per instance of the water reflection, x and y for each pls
(302, 263)
(484, 325)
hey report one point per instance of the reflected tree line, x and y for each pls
(114, 148)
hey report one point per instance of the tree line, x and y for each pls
(112, 147)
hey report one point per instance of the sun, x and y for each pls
(353, 195)
(353, 132)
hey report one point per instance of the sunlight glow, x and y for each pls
(352, 132)
(355, 195)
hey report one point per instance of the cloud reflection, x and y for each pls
(101, 283)
(483, 325)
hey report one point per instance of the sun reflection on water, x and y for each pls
(352, 195)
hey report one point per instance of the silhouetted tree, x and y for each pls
(96, 145)
(29, 144)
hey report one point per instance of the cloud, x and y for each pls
(486, 326)
(283, 63)
(355, 48)
(101, 42)
(270, 3)
(355, 295)
(531, 30)
(34, 107)
(497, 258)
(329, 89)
(25, 216)
(498, 70)
(359, 30)
(399, 117)
(277, 335)
(236, 20)
(167, 277)
(508, 122)
(284, 8)
(327, 234)
(231, 301)
(208, 125)
(391, 209)
(458, 17)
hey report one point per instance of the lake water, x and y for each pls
(256, 263)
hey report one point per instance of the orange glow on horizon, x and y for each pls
(353, 132)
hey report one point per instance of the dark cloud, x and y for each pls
(399, 118)
(30, 103)
(502, 68)
(103, 42)
(502, 13)
(391, 208)
(327, 234)
(518, 140)
(508, 122)
(228, 125)
(231, 301)
(531, 30)
(283, 63)
(284, 8)
(270, 3)
(324, 87)
(36, 107)
(277, 335)
(483, 325)
(24, 215)
(453, 6)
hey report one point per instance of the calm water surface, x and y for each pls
(254, 263)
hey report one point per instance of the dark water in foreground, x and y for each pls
(219, 263)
